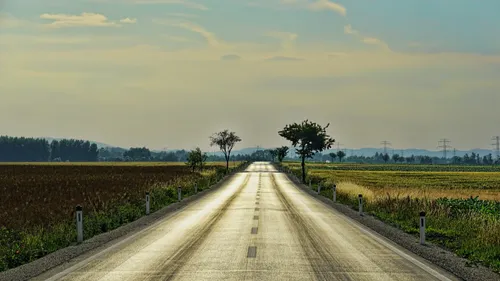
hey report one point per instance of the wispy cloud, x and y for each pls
(128, 20)
(185, 3)
(366, 39)
(212, 40)
(317, 5)
(349, 30)
(85, 19)
(328, 5)
(375, 41)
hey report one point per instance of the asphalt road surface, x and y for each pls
(257, 226)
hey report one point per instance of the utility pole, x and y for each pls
(496, 146)
(454, 152)
(338, 146)
(385, 143)
(443, 143)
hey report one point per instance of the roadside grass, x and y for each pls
(470, 227)
(20, 246)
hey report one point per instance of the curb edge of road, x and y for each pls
(441, 257)
(63, 255)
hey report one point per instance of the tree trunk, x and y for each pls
(227, 165)
(303, 170)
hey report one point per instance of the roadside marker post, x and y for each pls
(147, 203)
(196, 188)
(319, 188)
(334, 193)
(179, 193)
(360, 199)
(310, 185)
(422, 228)
(79, 224)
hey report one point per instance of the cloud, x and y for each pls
(365, 39)
(348, 30)
(212, 40)
(185, 3)
(375, 41)
(230, 57)
(128, 20)
(283, 58)
(328, 5)
(318, 5)
(85, 19)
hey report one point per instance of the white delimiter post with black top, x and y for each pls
(79, 224)
(147, 203)
(422, 228)
(179, 193)
(334, 193)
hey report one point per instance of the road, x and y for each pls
(257, 226)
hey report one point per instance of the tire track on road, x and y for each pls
(177, 261)
(310, 241)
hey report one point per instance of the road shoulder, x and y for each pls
(447, 260)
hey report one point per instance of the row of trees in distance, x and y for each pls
(20, 149)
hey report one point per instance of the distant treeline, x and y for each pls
(14, 149)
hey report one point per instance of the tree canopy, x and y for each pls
(225, 141)
(308, 138)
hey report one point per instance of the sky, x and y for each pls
(169, 73)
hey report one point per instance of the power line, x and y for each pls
(386, 143)
(496, 145)
(443, 143)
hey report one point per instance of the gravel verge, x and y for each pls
(39, 266)
(445, 259)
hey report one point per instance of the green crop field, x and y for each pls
(462, 202)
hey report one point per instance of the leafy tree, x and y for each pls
(281, 153)
(225, 140)
(309, 137)
(386, 157)
(395, 158)
(273, 153)
(333, 156)
(196, 158)
(340, 155)
(425, 160)
(137, 154)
